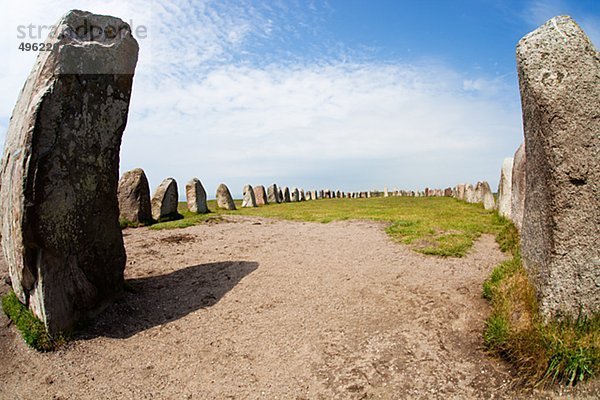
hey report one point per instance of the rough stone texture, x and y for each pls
(134, 197)
(260, 195)
(273, 194)
(483, 194)
(559, 77)
(196, 196)
(286, 195)
(224, 199)
(295, 195)
(518, 187)
(302, 195)
(315, 195)
(60, 170)
(505, 188)
(308, 195)
(280, 196)
(165, 199)
(248, 199)
(459, 192)
(469, 193)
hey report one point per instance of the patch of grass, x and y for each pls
(32, 329)
(125, 223)
(187, 219)
(565, 351)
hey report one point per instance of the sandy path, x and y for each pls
(276, 309)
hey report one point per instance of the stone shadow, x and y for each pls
(155, 300)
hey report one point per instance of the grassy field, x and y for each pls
(439, 226)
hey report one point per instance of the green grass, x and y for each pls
(32, 329)
(566, 351)
(438, 226)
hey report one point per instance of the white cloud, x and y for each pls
(198, 110)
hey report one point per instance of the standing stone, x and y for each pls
(134, 197)
(248, 199)
(448, 192)
(260, 195)
(273, 194)
(308, 195)
(224, 199)
(460, 191)
(295, 193)
(504, 188)
(484, 195)
(280, 196)
(286, 195)
(517, 203)
(196, 196)
(559, 77)
(60, 171)
(302, 195)
(469, 193)
(315, 195)
(338, 194)
(165, 200)
(385, 191)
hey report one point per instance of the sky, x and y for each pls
(349, 95)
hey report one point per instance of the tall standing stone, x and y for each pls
(469, 193)
(484, 195)
(559, 78)
(273, 194)
(286, 195)
(260, 195)
(302, 195)
(224, 199)
(518, 187)
(165, 200)
(134, 197)
(60, 170)
(196, 196)
(505, 188)
(248, 199)
(295, 195)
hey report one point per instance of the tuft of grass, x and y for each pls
(32, 329)
(552, 352)
(187, 219)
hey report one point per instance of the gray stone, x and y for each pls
(134, 197)
(315, 195)
(260, 195)
(559, 77)
(280, 195)
(60, 171)
(273, 194)
(286, 195)
(224, 199)
(518, 187)
(165, 200)
(295, 195)
(308, 195)
(196, 196)
(469, 193)
(248, 199)
(484, 195)
(505, 188)
(302, 195)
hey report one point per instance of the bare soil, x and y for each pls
(255, 308)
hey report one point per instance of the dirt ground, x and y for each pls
(255, 308)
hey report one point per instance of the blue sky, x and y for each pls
(350, 95)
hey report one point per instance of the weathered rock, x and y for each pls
(321, 194)
(196, 196)
(302, 195)
(273, 194)
(134, 197)
(260, 196)
(469, 193)
(315, 195)
(165, 200)
(280, 195)
(295, 195)
(248, 199)
(308, 195)
(460, 191)
(60, 170)
(484, 195)
(224, 199)
(504, 188)
(448, 192)
(286, 195)
(385, 192)
(518, 187)
(559, 77)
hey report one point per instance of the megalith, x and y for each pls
(165, 200)
(518, 187)
(133, 193)
(505, 188)
(559, 79)
(286, 195)
(295, 195)
(273, 194)
(60, 172)
(196, 196)
(248, 199)
(224, 199)
(260, 195)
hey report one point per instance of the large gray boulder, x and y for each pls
(224, 199)
(459, 191)
(273, 194)
(559, 77)
(260, 195)
(505, 188)
(196, 196)
(165, 200)
(518, 187)
(484, 195)
(60, 170)
(134, 197)
(248, 199)
(286, 195)
(295, 195)
(469, 193)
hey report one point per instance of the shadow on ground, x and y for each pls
(155, 300)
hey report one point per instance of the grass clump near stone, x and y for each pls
(32, 329)
(555, 352)
(186, 219)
